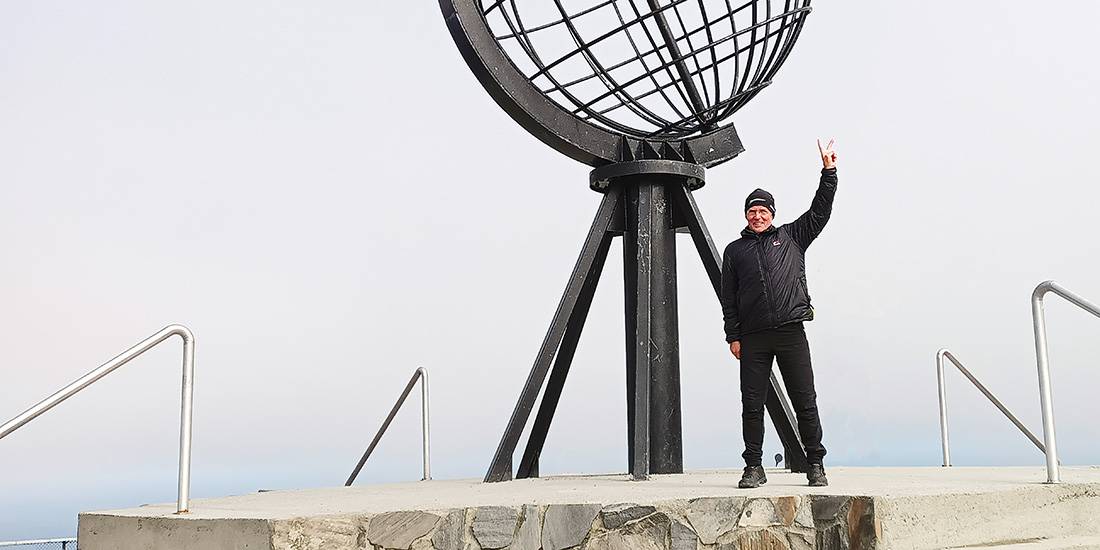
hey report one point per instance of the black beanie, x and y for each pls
(760, 197)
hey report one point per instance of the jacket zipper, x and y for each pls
(764, 279)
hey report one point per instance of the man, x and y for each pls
(764, 303)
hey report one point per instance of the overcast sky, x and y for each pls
(327, 197)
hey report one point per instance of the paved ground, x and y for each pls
(442, 495)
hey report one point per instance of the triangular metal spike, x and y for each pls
(685, 153)
(670, 151)
(626, 150)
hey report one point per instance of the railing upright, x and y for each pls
(1046, 399)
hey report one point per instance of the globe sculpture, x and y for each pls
(644, 92)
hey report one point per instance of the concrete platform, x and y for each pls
(881, 508)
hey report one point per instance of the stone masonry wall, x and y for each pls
(735, 523)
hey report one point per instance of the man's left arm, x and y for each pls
(809, 225)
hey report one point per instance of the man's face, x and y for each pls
(759, 218)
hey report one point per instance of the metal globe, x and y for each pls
(649, 69)
(642, 91)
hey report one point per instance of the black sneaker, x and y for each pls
(815, 474)
(753, 477)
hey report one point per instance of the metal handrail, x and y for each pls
(422, 375)
(1046, 399)
(108, 367)
(63, 542)
(945, 353)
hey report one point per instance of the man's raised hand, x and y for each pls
(828, 154)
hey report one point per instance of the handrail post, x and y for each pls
(425, 428)
(1046, 401)
(944, 442)
(110, 366)
(187, 401)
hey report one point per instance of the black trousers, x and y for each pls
(788, 346)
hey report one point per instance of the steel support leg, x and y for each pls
(653, 351)
(782, 415)
(501, 467)
(529, 464)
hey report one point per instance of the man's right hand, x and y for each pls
(828, 154)
(735, 349)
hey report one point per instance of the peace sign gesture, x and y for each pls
(828, 154)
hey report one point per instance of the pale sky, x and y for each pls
(327, 197)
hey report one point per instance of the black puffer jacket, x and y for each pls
(764, 275)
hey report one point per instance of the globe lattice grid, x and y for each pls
(650, 69)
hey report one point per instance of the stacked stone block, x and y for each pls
(735, 523)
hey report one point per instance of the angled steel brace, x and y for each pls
(591, 258)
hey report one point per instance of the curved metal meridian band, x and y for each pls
(546, 120)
